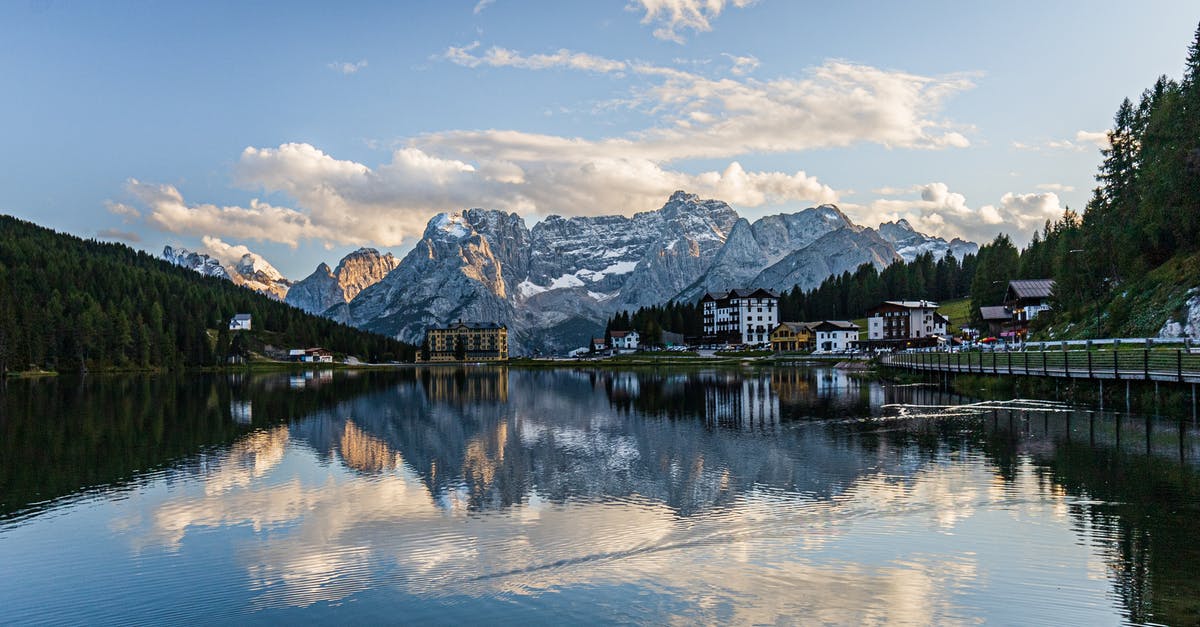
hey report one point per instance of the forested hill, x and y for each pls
(67, 303)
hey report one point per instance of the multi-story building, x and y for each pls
(900, 321)
(467, 341)
(835, 336)
(624, 340)
(740, 316)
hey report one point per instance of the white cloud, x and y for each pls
(742, 65)
(503, 57)
(260, 221)
(226, 253)
(126, 212)
(673, 16)
(1099, 139)
(347, 67)
(1084, 140)
(939, 211)
(1055, 187)
(481, 5)
(836, 104)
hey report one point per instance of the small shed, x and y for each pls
(240, 322)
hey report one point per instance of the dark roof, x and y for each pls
(620, 333)
(241, 316)
(835, 325)
(797, 327)
(756, 292)
(996, 312)
(1030, 288)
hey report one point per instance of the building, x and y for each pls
(997, 319)
(624, 340)
(793, 336)
(598, 344)
(897, 323)
(467, 341)
(239, 322)
(833, 336)
(311, 355)
(740, 316)
(1026, 299)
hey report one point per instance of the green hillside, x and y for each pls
(68, 304)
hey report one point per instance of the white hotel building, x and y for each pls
(740, 316)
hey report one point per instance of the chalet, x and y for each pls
(997, 319)
(598, 344)
(834, 336)
(240, 322)
(467, 341)
(740, 316)
(311, 355)
(793, 336)
(624, 340)
(1027, 298)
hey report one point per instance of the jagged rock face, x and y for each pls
(254, 272)
(327, 288)
(451, 274)
(555, 284)
(909, 243)
(251, 271)
(195, 261)
(843, 250)
(752, 248)
(317, 292)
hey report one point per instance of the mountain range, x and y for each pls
(556, 283)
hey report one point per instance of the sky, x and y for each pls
(302, 131)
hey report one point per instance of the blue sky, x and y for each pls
(305, 130)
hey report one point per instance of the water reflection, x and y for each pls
(480, 493)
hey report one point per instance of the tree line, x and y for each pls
(70, 304)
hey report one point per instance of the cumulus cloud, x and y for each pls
(673, 16)
(1099, 139)
(347, 67)
(260, 221)
(937, 210)
(227, 253)
(693, 117)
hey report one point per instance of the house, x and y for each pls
(740, 316)
(1026, 299)
(240, 322)
(905, 323)
(598, 344)
(311, 355)
(467, 341)
(793, 336)
(624, 340)
(997, 319)
(834, 335)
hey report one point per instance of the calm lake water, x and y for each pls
(487, 495)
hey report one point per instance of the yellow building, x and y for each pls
(466, 341)
(792, 336)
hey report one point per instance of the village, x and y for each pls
(748, 320)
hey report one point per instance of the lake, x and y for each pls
(495, 495)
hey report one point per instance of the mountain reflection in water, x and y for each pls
(451, 494)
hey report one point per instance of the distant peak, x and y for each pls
(681, 196)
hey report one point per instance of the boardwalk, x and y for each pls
(1178, 365)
